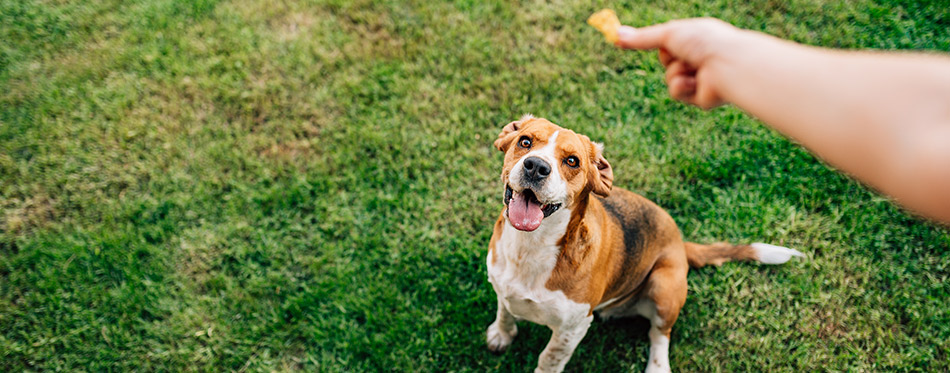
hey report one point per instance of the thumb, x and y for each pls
(650, 37)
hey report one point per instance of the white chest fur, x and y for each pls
(524, 265)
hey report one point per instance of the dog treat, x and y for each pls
(606, 22)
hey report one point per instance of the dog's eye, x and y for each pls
(572, 161)
(524, 142)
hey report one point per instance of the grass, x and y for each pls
(257, 185)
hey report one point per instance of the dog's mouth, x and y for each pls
(525, 212)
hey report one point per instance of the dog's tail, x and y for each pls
(700, 255)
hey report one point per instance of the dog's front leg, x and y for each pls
(561, 346)
(502, 331)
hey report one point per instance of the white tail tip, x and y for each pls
(771, 254)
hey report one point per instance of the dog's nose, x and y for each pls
(536, 169)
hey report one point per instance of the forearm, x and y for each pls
(884, 118)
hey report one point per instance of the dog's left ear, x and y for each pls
(510, 132)
(602, 175)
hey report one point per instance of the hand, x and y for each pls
(692, 50)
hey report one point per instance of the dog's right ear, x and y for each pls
(510, 133)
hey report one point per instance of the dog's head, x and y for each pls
(548, 168)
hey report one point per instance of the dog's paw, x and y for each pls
(655, 367)
(498, 339)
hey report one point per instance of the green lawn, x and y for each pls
(273, 185)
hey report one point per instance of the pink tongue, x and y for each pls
(523, 214)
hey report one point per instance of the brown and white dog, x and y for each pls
(567, 245)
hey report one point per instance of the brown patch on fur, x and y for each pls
(666, 287)
(700, 255)
(599, 260)
(496, 234)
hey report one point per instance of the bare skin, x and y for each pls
(884, 118)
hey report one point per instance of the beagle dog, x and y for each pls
(567, 244)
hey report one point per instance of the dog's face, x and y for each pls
(548, 168)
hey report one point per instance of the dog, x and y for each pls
(569, 244)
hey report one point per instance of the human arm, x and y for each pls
(882, 117)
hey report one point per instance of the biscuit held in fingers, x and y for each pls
(607, 23)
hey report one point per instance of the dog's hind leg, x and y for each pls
(663, 298)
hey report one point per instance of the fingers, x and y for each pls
(706, 96)
(665, 57)
(682, 88)
(681, 80)
(679, 41)
(650, 37)
(677, 68)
